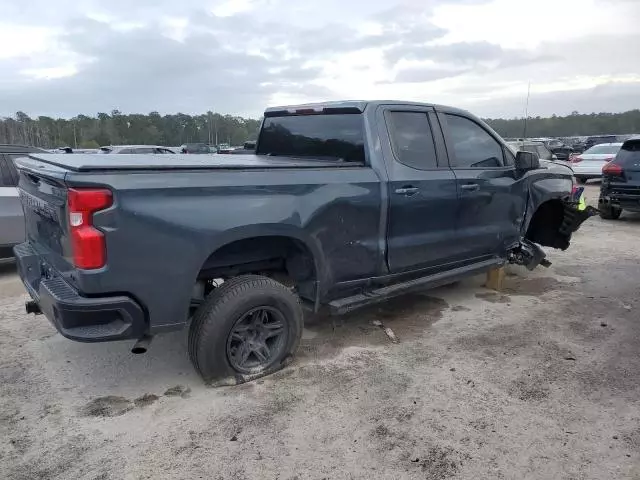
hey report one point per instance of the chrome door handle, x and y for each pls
(471, 187)
(408, 191)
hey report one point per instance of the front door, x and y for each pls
(492, 200)
(421, 189)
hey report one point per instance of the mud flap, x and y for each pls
(575, 213)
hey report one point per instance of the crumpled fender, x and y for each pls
(574, 211)
(543, 190)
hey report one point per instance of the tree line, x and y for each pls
(573, 125)
(116, 128)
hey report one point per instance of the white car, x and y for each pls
(589, 163)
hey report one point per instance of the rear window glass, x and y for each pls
(630, 152)
(603, 149)
(337, 136)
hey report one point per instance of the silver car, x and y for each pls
(589, 164)
(135, 149)
(11, 216)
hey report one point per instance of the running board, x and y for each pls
(349, 304)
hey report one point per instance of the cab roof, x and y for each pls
(348, 106)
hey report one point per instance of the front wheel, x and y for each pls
(246, 328)
(581, 180)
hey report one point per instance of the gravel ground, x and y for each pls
(538, 381)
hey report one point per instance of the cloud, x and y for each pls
(142, 70)
(426, 74)
(59, 57)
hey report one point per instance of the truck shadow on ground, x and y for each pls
(7, 267)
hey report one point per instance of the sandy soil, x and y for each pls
(539, 381)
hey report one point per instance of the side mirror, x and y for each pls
(554, 157)
(526, 161)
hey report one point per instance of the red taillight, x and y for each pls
(612, 169)
(576, 159)
(87, 243)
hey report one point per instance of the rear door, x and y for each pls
(421, 188)
(11, 217)
(492, 199)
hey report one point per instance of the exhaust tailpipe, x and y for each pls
(141, 346)
(32, 307)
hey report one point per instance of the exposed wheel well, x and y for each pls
(285, 259)
(545, 225)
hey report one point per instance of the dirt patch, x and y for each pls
(407, 316)
(493, 297)
(460, 308)
(178, 391)
(145, 400)
(440, 463)
(533, 286)
(109, 406)
(529, 389)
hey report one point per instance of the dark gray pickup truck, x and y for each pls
(343, 205)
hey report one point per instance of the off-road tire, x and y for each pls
(215, 318)
(610, 213)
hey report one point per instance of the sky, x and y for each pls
(69, 57)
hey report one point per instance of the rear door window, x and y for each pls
(328, 136)
(629, 156)
(412, 140)
(143, 150)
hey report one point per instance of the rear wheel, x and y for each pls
(246, 328)
(610, 213)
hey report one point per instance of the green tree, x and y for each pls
(89, 144)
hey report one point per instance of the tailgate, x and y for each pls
(43, 195)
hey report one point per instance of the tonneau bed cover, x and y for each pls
(92, 162)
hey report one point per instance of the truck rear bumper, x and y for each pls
(84, 319)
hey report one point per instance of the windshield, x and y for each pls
(338, 136)
(603, 149)
(105, 150)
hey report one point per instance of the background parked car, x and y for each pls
(196, 148)
(247, 148)
(620, 189)
(599, 139)
(534, 147)
(11, 216)
(590, 162)
(135, 149)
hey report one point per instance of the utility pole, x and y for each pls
(75, 138)
(526, 112)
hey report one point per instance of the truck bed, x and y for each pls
(104, 163)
